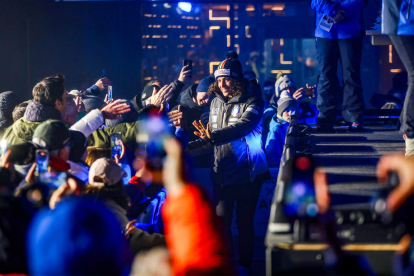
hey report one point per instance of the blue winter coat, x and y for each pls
(348, 28)
(394, 17)
(275, 141)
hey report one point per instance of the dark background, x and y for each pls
(86, 40)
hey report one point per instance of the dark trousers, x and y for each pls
(349, 52)
(245, 195)
(404, 45)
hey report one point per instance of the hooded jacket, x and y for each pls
(191, 110)
(238, 153)
(394, 17)
(23, 129)
(350, 27)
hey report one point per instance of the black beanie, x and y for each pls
(230, 67)
(147, 92)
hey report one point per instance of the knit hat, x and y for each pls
(285, 102)
(92, 102)
(8, 100)
(283, 83)
(105, 171)
(86, 239)
(230, 67)
(148, 90)
(205, 84)
(52, 135)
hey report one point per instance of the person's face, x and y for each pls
(203, 99)
(287, 113)
(62, 104)
(225, 84)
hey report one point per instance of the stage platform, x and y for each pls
(350, 160)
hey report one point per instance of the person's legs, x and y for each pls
(247, 196)
(328, 55)
(225, 197)
(404, 45)
(353, 103)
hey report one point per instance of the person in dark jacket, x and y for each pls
(339, 37)
(277, 130)
(239, 162)
(195, 104)
(398, 23)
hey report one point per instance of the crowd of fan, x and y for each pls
(93, 224)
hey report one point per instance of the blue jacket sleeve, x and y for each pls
(274, 148)
(92, 91)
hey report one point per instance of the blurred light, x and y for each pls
(185, 6)
(283, 71)
(246, 28)
(395, 70)
(390, 54)
(211, 18)
(211, 65)
(303, 163)
(282, 61)
(299, 189)
(312, 210)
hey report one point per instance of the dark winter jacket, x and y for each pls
(191, 110)
(394, 17)
(238, 153)
(23, 129)
(275, 141)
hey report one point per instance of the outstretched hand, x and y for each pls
(203, 131)
(176, 118)
(103, 83)
(173, 167)
(185, 73)
(112, 110)
(162, 97)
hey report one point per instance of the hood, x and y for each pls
(38, 112)
(24, 129)
(187, 97)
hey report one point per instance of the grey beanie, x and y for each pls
(92, 102)
(8, 100)
(285, 102)
(283, 83)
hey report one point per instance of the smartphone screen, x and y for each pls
(53, 179)
(153, 132)
(188, 62)
(116, 147)
(299, 194)
(42, 161)
(110, 93)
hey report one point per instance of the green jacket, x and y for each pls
(23, 130)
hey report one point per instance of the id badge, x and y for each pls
(324, 24)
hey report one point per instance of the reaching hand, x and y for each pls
(298, 94)
(203, 132)
(129, 228)
(65, 190)
(404, 167)
(176, 117)
(173, 167)
(112, 110)
(162, 97)
(185, 73)
(103, 83)
(117, 157)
